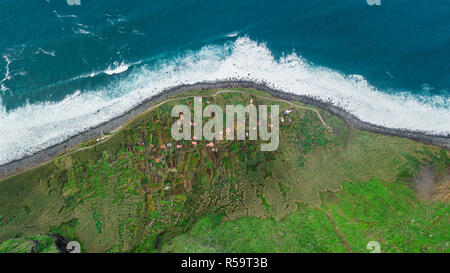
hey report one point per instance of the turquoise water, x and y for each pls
(67, 68)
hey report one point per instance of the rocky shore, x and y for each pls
(47, 154)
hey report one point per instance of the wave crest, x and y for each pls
(34, 127)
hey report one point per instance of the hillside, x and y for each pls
(328, 188)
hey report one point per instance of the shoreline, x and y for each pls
(47, 154)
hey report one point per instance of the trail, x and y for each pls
(106, 137)
(110, 128)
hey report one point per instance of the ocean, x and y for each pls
(69, 65)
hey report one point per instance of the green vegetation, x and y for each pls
(321, 191)
(388, 213)
(35, 244)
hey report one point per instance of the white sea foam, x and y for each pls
(117, 68)
(232, 34)
(46, 52)
(7, 74)
(34, 127)
(81, 31)
(64, 16)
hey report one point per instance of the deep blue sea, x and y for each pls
(65, 68)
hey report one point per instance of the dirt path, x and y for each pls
(338, 232)
(105, 138)
(40, 157)
(280, 100)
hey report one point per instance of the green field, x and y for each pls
(378, 211)
(323, 190)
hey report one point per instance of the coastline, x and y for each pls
(45, 155)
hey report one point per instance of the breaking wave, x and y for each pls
(34, 127)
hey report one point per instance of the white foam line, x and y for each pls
(64, 16)
(119, 68)
(34, 127)
(7, 74)
(40, 50)
(116, 68)
(232, 34)
(81, 31)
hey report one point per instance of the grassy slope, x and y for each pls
(114, 195)
(388, 213)
(35, 244)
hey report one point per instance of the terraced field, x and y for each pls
(327, 188)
